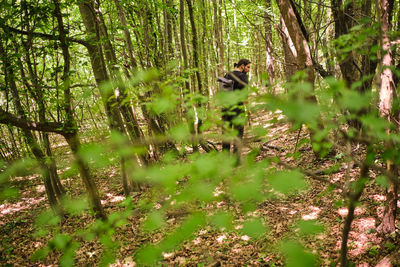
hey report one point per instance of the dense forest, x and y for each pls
(120, 145)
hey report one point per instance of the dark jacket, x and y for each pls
(237, 85)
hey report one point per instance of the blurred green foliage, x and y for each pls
(196, 182)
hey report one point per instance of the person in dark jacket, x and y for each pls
(229, 114)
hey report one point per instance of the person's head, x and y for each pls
(243, 65)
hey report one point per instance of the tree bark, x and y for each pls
(385, 108)
(354, 196)
(195, 46)
(303, 57)
(29, 137)
(72, 137)
(269, 54)
(342, 15)
(289, 51)
(219, 36)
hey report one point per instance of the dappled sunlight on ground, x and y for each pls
(223, 247)
(112, 198)
(313, 213)
(362, 237)
(40, 188)
(221, 238)
(379, 197)
(24, 204)
(26, 178)
(344, 211)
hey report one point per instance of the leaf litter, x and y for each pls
(210, 246)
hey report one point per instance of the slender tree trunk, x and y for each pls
(15, 150)
(385, 108)
(36, 92)
(169, 34)
(269, 55)
(354, 196)
(195, 46)
(303, 58)
(74, 143)
(72, 137)
(87, 11)
(128, 40)
(132, 124)
(219, 36)
(29, 137)
(204, 46)
(183, 41)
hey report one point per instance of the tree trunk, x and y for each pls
(73, 141)
(354, 196)
(342, 14)
(269, 55)
(385, 108)
(219, 36)
(195, 46)
(29, 137)
(72, 136)
(36, 92)
(290, 66)
(303, 57)
(183, 41)
(128, 40)
(98, 64)
(204, 46)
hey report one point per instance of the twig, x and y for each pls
(297, 139)
(354, 197)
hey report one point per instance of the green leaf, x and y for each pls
(183, 232)
(354, 101)
(68, 258)
(254, 228)
(180, 132)
(96, 154)
(40, 253)
(202, 191)
(247, 191)
(310, 227)
(260, 131)
(382, 181)
(161, 105)
(148, 255)
(302, 111)
(296, 256)
(75, 206)
(47, 218)
(60, 241)
(154, 221)
(222, 220)
(287, 182)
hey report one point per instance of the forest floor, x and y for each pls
(210, 247)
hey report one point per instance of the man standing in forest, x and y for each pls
(233, 115)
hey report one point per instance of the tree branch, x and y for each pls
(46, 36)
(51, 127)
